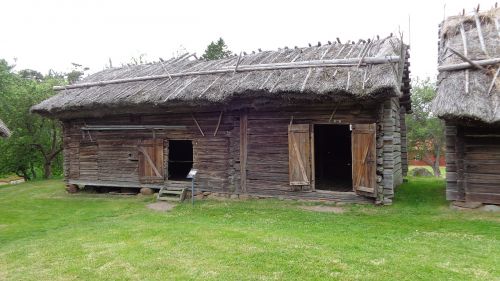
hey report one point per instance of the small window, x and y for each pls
(180, 159)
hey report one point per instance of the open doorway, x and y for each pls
(333, 159)
(180, 159)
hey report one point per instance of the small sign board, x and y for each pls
(192, 174)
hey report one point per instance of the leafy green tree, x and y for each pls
(35, 144)
(216, 50)
(426, 138)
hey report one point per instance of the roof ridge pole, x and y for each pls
(480, 33)
(464, 42)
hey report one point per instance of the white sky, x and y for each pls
(52, 34)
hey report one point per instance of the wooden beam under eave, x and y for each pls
(243, 149)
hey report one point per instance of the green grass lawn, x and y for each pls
(46, 234)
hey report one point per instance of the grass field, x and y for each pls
(46, 234)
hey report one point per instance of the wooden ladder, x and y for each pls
(172, 193)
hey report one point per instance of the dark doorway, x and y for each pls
(333, 159)
(180, 159)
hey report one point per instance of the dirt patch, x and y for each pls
(324, 209)
(161, 206)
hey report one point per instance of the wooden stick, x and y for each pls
(333, 113)
(480, 32)
(258, 67)
(128, 127)
(326, 51)
(348, 80)
(364, 80)
(497, 25)
(341, 49)
(464, 58)
(464, 42)
(364, 54)
(465, 65)
(493, 82)
(198, 125)
(209, 86)
(165, 69)
(218, 124)
(237, 63)
(305, 80)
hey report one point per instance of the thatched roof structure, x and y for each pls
(4, 131)
(469, 90)
(362, 70)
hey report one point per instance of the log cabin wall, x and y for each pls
(111, 156)
(452, 165)
(404, 141)
(391, 127)
(472, 163)
(267, 163)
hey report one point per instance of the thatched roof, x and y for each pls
(470, 93)
(4, 131)
(355, 70)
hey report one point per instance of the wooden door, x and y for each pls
(364, 173)
(151, 161)
(299, 151)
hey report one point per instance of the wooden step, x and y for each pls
(171, 191)
(172, 194)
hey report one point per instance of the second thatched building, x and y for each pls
(469, 101)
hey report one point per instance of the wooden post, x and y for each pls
(460, 153)
(243, 149)
(313, 160)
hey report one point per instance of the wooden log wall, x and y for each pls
(111, 156)
(391, 127)
(473, 163)
(267, 163)
(404, 141)
(452, 167)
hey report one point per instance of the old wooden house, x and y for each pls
(469, 101)
(322, 122)
(4, 131)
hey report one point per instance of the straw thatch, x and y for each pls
(471, 93)
(4, 131)
(168, 86)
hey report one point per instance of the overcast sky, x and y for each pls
(52, 34)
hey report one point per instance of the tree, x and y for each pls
(425, 131)
(216, 50)
(35, 143)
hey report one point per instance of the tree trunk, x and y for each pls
(435, 168)
(33, 172)
(47, 170)
(435, 165)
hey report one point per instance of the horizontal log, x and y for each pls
(349, 62)
(466, 65)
